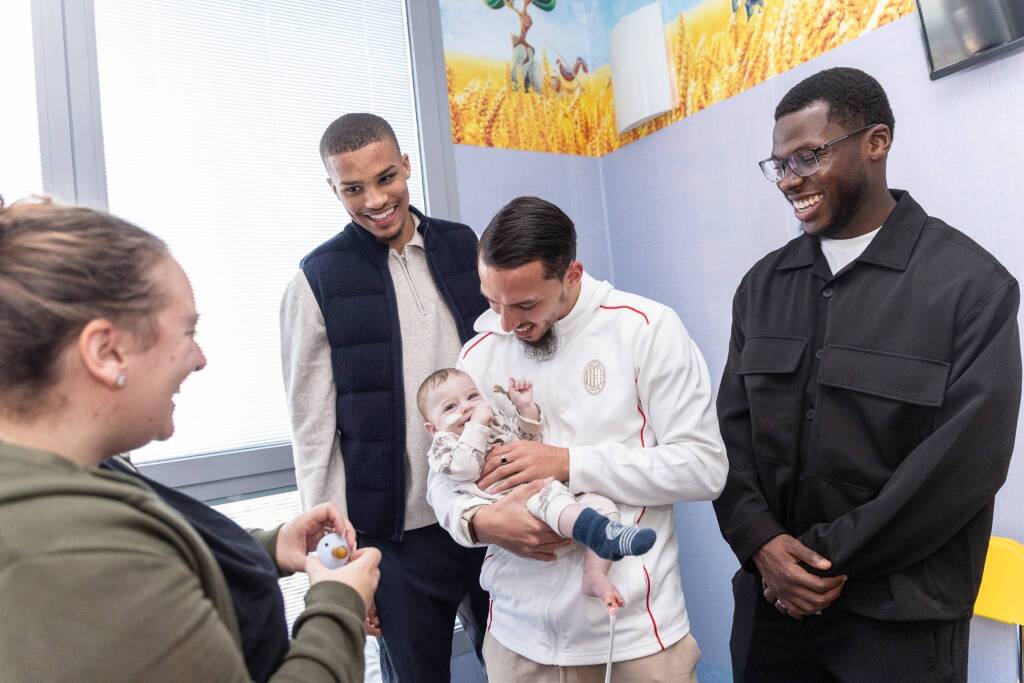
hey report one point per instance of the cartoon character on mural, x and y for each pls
(568, 74)
(523, 54)
(749, 5)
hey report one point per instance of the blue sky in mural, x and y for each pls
(574, 28)
(471, 26)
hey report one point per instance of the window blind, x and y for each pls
(20, 163)
(212, 117)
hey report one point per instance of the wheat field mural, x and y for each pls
(715, 53)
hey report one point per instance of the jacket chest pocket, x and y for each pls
(769, 369)
(879, 405)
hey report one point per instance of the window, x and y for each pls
(20, 164)
(212, 115)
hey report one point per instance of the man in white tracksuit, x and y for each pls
(629, 415)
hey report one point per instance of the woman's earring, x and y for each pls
(121, 380)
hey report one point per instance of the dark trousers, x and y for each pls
(838, 645)
(424, 579)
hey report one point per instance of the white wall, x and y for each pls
(488, 178)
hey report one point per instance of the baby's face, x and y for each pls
(451, 404)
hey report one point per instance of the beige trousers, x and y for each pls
(675, 664)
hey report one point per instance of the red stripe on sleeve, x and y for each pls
(630, 308)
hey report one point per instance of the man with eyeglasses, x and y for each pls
(868, 405)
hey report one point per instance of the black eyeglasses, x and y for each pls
(803, 162)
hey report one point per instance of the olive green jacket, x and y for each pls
(101, 581)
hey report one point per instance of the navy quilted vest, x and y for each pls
(350, 279)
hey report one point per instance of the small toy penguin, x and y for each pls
(332, 551)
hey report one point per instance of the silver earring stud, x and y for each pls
(121, 380)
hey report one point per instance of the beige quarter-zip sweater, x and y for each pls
(430, 340)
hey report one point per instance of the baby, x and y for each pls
(465, 427)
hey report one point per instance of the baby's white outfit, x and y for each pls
(461, 458)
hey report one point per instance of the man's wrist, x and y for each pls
(468, 516)
(566, 468)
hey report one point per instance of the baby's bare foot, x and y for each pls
(597, 585)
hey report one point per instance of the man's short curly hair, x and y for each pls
(854, 98)
(355, 131)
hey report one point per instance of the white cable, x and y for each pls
(611, 645)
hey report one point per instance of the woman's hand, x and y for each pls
(299, 537)
(361, 573)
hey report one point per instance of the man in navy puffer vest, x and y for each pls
(371, 313)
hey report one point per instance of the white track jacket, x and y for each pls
(628, 393)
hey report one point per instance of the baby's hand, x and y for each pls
(482, 414)
(521, 393)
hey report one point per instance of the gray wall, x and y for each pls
(488, 178)
(686, 212)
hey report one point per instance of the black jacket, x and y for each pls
(350, 279)
(872, 414)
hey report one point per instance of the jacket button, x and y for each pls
(810, 414)
(828, 292)
(819, 354)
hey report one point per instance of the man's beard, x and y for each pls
(544, 348)
(849, 198)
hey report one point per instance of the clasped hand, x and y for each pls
(793, 590)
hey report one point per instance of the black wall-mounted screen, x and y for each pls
(961, 33)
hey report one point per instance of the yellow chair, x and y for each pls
(1001, 597)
